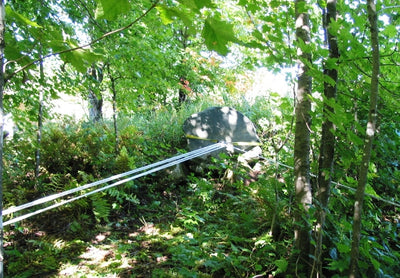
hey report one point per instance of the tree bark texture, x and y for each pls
(327, 146)
(95, 107)
(369, 137)
(2, 46)
(95, 99)
(39, 119)
(115, 112)
(303, 197)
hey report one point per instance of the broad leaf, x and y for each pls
(14, 49)
(197, 5)
(80, 59)
(331, 63)
(111, 9)
(371, 191)
(20, 18)
(217, 34)
(390, 31)
(167, 15)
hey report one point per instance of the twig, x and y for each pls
(260, 275)
(84, 45)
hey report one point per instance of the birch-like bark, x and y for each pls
(95, 100)
(327, 146)
(115, 112)
(369, 137)
(2, 46)
(303, 197)
(40, 119)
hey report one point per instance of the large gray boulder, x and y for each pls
(224, 124)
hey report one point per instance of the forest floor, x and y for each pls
(120, 253)
(200, 229)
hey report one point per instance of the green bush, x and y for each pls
(202, 227)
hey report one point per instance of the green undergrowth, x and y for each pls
(155, 226)
(201, 229)
(202, 225)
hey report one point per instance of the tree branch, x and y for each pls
(368, 143)
(389, 7)
(91, 16)
(84, 45)
(380, 81)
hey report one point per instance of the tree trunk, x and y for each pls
(302, 137)
(95, 107)
(114, 106)
(2, 46)
(95, 100)
(369, 137)
(40, 119)
(327, 146)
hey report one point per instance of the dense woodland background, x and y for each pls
(327, 201)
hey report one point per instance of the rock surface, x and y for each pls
(217, 124)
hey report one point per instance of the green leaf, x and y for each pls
(80, 59)
(334, 27)
(331, 63)
(370, 190)
(101, 208)
(111, 9)
(375, 263)
(275, 4)
(14, 49)
(197, 5)
(217, 34)
(166, 14)
(258, 35)
(329, 80)
(282, 265)
(234, 248)
(20, 18)
(355, 138)
(343, 248)
(390, 31)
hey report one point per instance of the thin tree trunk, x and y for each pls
(95, 107)
(115, 112)
(95, 100)
(39, 137)
(302, 138)
(2, 46)
(369, 137)
(327, 146)
(114, 106)
(40, 120)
